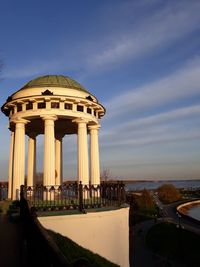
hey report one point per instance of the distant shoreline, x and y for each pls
(131, 181)
(157, 181)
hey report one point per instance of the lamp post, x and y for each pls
(179, 219)
(155, 218)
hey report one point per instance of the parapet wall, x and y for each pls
(105, 233)
(184, 207)
(183, 210)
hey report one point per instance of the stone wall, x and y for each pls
(105, 233)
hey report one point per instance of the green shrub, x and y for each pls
(168, 193)
(142, 207)
(175, 243)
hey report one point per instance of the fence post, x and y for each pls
(21, 191)
(80, 196)
(118, 193)
(1, 190)
(123, 194)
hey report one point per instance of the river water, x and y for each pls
(194, 212)
(155, 184)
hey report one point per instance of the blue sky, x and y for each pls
(140, 58)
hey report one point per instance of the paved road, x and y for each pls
(169, 213)
(10, 243)
(141, 255)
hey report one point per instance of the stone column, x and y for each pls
(10, 170)
(31, 160)
(19, 156)
(83, 174)
(94, 155)
(59, 160)
(49, 150)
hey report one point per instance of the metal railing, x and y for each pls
(38, 249)
(71, 196)
(3, 190)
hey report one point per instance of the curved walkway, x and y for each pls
(141, 256)
(169, 213)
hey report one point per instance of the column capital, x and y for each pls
(49, 117)
(10, 128)
(59, 136)
(80, 120)
(19, 120)
(32, 135)
(94, 127)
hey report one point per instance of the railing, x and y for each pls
(39, 248)
(3, 190)
(74, 196)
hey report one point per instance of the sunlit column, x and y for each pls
(31, 160)
(94, 155)
(10, 170)
(19, 156)
(49, 150)
(83, 174)
(59, 160)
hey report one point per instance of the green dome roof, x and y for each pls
(55, 81)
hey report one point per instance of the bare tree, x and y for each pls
(105, 175)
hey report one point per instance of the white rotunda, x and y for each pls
(55, 106)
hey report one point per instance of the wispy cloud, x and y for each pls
(155, 31)
(178, 86)
(156, 136)
(171, 117)
(31, 69)
(159, 134)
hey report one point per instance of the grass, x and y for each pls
(138, 218)
(169, 241)
(66, 204)
(11, 208)
(140, 215)
(44, 213)
(4, 206)
(66, 201)
(73, 252)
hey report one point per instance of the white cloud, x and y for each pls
(157, 119)
(154, 31)
(181, 124)
(178, 86)
(31, 69)
(155, 138)
(164, 27)
(143, 132)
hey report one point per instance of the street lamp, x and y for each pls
(179, 219)
(155, 218)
